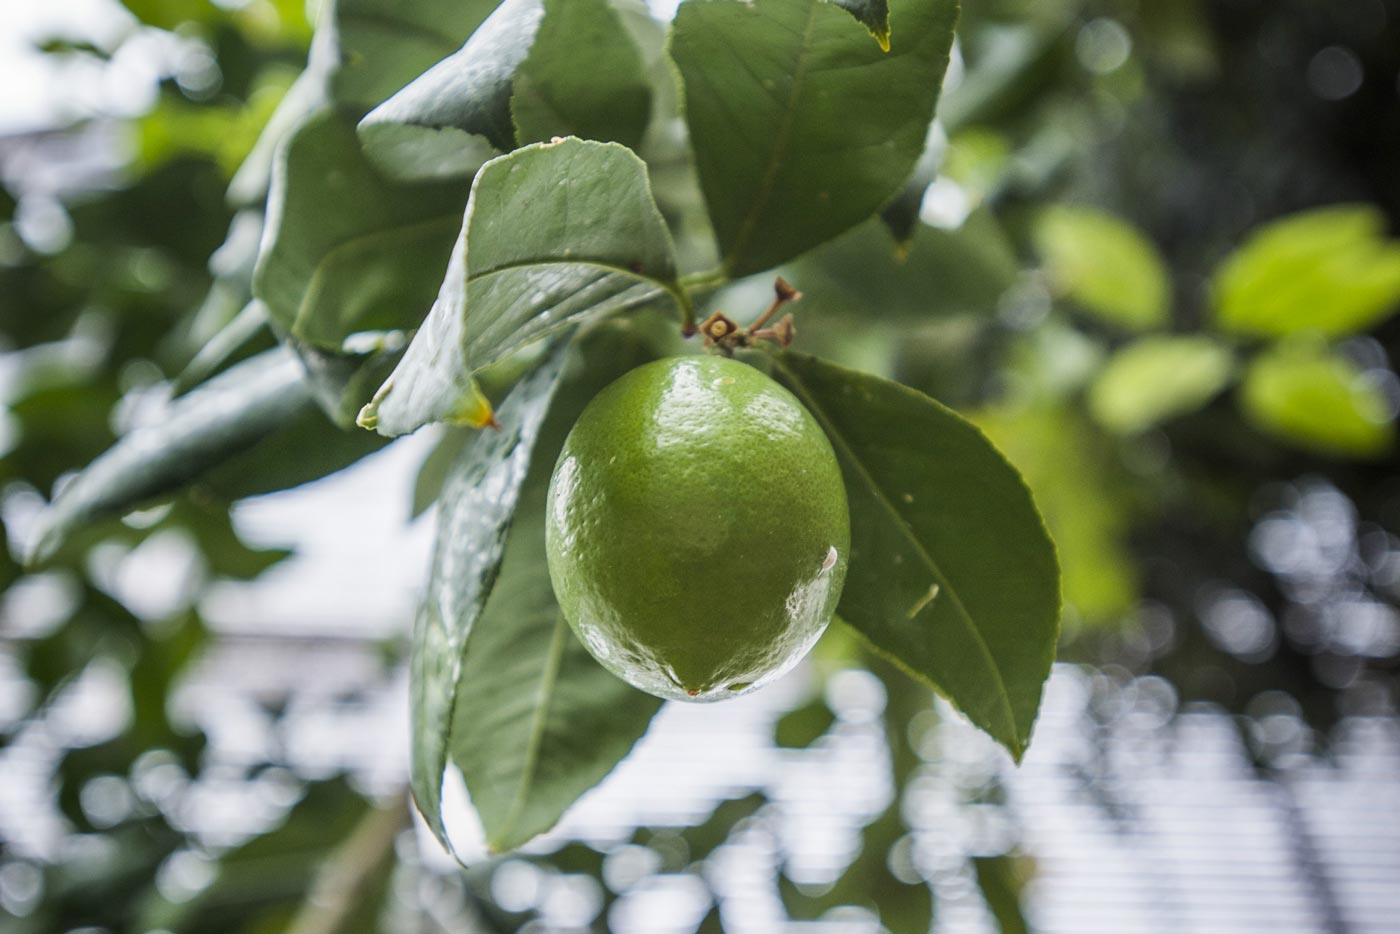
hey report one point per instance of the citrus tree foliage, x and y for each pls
(469, 216)
(513, 144)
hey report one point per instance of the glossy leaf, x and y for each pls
(1304, 394)
(200, 430)
(502, 691)
(553, 232)
(802, 127)
(1331, 271)
(347, 250)
(583, 77)
(1105, 266)
(952, 573)
(1158, 378)
(479, 499)
(456, 115)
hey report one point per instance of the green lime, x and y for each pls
(697, 528)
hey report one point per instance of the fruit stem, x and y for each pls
(782, 294)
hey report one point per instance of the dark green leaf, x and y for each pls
(348, 250)
(553, 232)
(1157, 378)
(225, 416)
(1105, 266)
(456, 115)
(1305, 394)
(502, 690)
(951, 573)
(583, 77)
(802, 127)
(1331, 271)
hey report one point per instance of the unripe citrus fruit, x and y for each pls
(697, 528)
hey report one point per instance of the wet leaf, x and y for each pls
(940, 524)
(502, 691)
(553, 233)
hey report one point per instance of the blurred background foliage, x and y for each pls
(1151, 251)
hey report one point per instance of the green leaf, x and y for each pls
(200, 430)
(1305, 394)
(1105, 266)
(802, 127)
(1078, 487)
(347, 250)
(868, 274)
(1000, 879)
(1331, 270)
(554, 232)
(384, 44)
(1157, 378)
(800, 728)
(940, 526)
(456, 115)
(502, 691)
(583, 77)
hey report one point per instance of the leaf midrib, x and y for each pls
(549, 680)
(781, 140)
(839, 440)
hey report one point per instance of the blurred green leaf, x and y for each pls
(937, 515)
(1085, 502)
(1105, 266)
(502, 690)
(583, 77)
(800, 728)
(867, 274)
(1157, 378)
(200, 430)
(257, 886)
(801, 126)
(999, 878)
(1330, 270)
(1304, 394)
(227, 132)
(554, 232)
(346, 249)
(902, 904)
